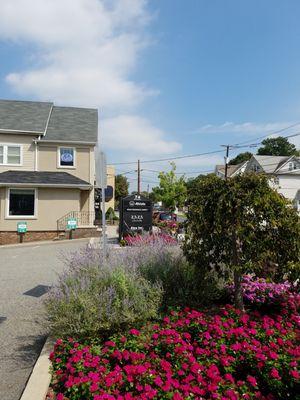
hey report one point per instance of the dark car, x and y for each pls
(164, 216)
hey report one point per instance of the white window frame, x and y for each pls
(74, 157)
(5, 154)
(22, 216)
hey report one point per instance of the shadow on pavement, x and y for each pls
(29, 349)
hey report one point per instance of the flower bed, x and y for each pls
(190, 355)
(142, 240)
(258, 291)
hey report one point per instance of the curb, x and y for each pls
(38, 383)
(41, 243)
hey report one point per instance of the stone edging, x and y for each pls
(38, 383)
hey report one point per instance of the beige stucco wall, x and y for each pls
(84, 160)
(111, 182)
(52, 204)
(28, 152)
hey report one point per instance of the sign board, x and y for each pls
(72, 223)
(101, 169)
(109, 194)
(22, 227)
(135, 215)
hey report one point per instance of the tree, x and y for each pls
(240, 225)
(278, 146)
(241, 158)
(121, 188)
(171, 190)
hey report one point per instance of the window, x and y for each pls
(276, 180)
(66, 157)
(291, 167)
(10, 154)
(21, 202)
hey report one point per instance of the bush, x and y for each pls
(261, 293)
(93, 297)
(159, 259)
(110, 214)
(190, 355)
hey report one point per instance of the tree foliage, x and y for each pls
(279, 146)
(121, 187)
(171, 190)
(241, 158)
(240, 225)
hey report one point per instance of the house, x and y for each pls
(47, 169)
(284, 171)
(232, 170)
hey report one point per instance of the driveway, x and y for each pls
(31, 269)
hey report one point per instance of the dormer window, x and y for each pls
(255, 168)
(66, 157)
(10, 154)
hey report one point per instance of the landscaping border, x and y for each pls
(38, 383)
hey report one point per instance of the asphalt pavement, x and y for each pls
(26, 272)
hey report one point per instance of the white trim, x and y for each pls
(5, 154)
(48, 119)
(284, 164)
(50, 185)
(67, 142)
(74, 157)
(7, 216)
(20, 132)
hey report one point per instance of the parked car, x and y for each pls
(164, 216)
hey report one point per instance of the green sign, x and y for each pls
(22, 227)
(72, 223)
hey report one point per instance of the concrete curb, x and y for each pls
(38, 383)
(41, 243)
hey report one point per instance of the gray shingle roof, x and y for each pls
(270, 163)
(231, 168)
(37, 178)
(73, 124)
(68, 124)
(24, 116)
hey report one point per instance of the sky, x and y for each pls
(169, 77)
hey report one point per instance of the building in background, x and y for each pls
(284, 173)
(47, 169)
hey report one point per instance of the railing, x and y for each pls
(83, 218)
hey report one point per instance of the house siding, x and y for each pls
(289, 185)
(28, 151)
(84, 157)
(52, 204)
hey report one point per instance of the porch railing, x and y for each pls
(84, 219)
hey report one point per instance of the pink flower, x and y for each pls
(274, 373)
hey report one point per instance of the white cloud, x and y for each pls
(248, 128)
(84, 50)
(136, 136)
(84, 53)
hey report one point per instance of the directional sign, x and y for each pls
(136, 214)
(72, 223)
(22, 227)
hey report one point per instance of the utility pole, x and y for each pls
(139, 178)
(226, 158)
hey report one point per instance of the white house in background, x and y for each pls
(285, 171)
(232, 170)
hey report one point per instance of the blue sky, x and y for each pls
(169, 77)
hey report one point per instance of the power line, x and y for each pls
(171, 158)
(269, 134)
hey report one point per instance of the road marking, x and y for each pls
(36, 247)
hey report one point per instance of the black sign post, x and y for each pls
(135, 215)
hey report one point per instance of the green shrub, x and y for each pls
(183, 285)
(91, 300)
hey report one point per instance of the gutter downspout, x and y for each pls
(36, 167)
(36, 153)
